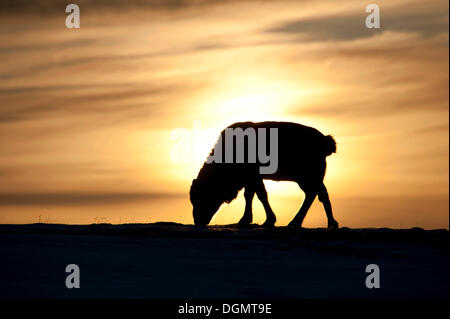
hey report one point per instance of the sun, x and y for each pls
(250, 107)
(250, 99)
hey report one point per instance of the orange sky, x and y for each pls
(87, 116)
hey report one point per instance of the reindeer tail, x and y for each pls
(329, 145)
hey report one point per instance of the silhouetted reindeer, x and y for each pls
(301, 156)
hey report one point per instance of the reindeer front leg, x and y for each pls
(262, 196)
(247, 219)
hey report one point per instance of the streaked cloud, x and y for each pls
(345, 27)
(67, 199)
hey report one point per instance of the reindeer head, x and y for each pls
(205, 202)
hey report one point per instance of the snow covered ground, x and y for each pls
(167, 260)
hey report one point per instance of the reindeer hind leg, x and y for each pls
(249, 193)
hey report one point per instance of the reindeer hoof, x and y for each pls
(333, 225)
(245, 221)
(294, 223)
(269, 223)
